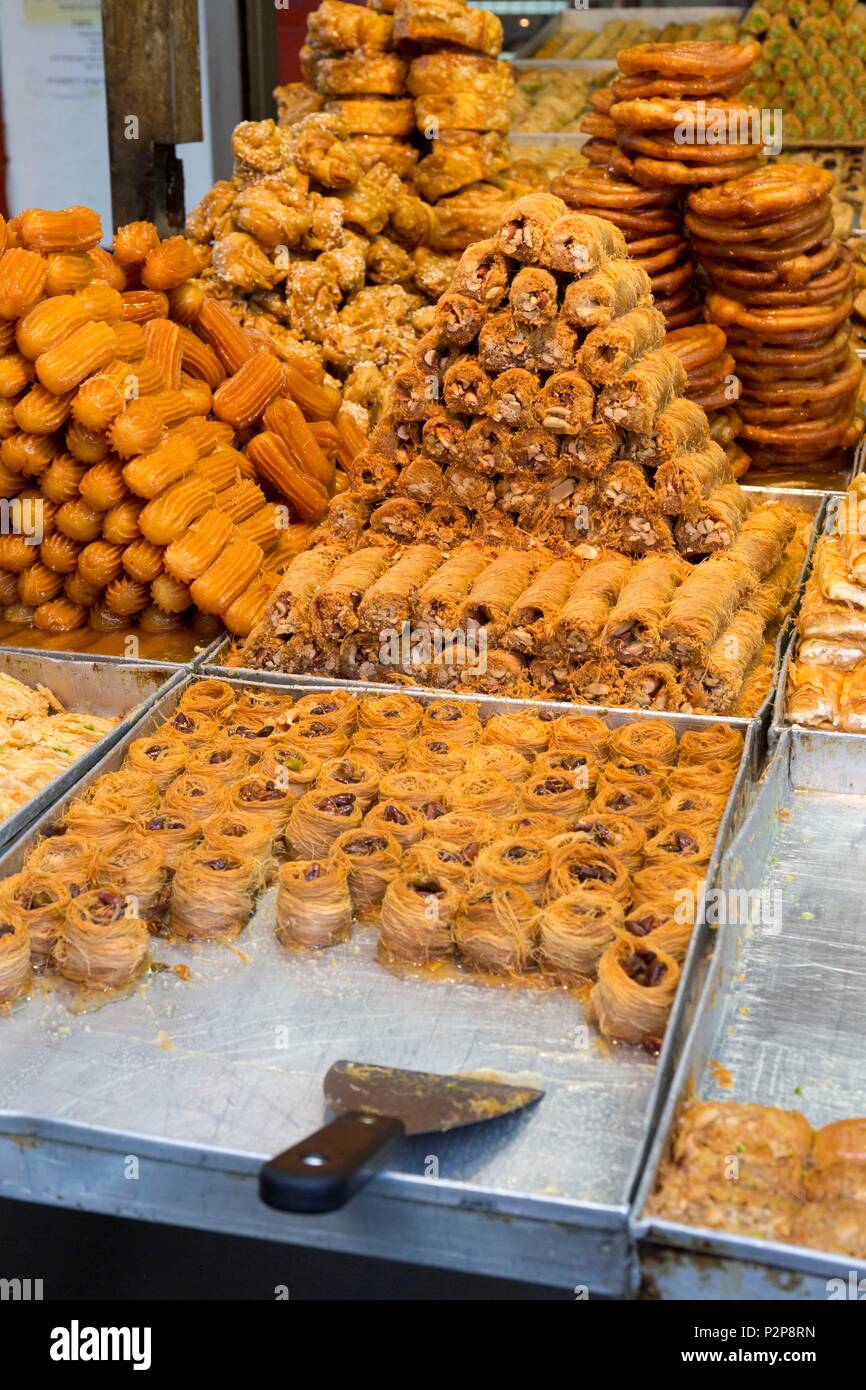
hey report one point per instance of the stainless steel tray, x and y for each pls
(197, 660)
(783, 1005)
(201, 1081)
(83, 687)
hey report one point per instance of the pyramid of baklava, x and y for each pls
(542, 408)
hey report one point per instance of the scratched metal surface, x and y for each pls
(96, 687)
(229, 1065)
(783, 1006)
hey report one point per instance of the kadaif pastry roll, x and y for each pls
(533, 297)
(512, 397)
(526, 224)
(715, 523)
(632, 631)
(576, 242)
(614, 348)
(644, 391)
(610, 292)
(565, 403)
(482, 274)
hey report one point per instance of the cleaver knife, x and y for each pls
(375, 1107)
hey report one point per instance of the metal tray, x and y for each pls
(83, 687)
(596, 19)
(201, 1081)
(63, 649)
(783, 1004)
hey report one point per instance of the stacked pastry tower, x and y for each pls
(712, 384)
(827, 681)
(539, 404)
(782, 291)
(648, 146)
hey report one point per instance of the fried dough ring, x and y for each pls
(674, 279)
(666, 113)
(774, 254)
(661, 260)
(691, 58)
(714, 374)
(654, 172)
(817, 361)
(652, 84)
(793, 394)
(648, 245)
(774, 190)
(772, 323)
(828, 432)
(732, 230)
(594, 189)
(598, 151)
(684, 318)
(797, 271)
(820, 291)
(657, 147)
(636, 226)
(697, 346)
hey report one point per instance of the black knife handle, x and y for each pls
(321, 1173)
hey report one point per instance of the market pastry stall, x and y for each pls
(462, 532)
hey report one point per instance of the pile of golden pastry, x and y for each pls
(827, 677)
(137, 487)
(765, 1172)
(599, 628)
(341, 223)
(651, 141)
(558, 851)
(782, 291)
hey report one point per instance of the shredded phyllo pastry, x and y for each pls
(38, 741)
(559, 850)
(792, 1183)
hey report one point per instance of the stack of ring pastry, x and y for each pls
(712, 382)
(782, 291)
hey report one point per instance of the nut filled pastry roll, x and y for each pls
(288, 608)
(576, 242)
(422, 480)
(486, 449)
(643, 392)
(764, 536)
(577, 627)
(565, 403)
(715, 524)
(466, 387)
(590, 452)
(533, 297)
(334, 609)
(442, 437)
(610, 292)
(446, 524)
(632, 631)
(683, 482)
(458, 320)
(399, 517)
(414, 393)
(525, 225)
(504, 343)
(482, 274)
(438, 601)
(390, 598)
(512, 397)
(729, 659)
(537, 608)
(682, 427)
(498, 587)
(615, 347)
(703, 605)
(624, 485)
(653, 685)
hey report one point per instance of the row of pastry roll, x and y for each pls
(654, 632)
(39, 739)
(126, 401)
(515, 842)
(827, 676)
(739, 1167)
